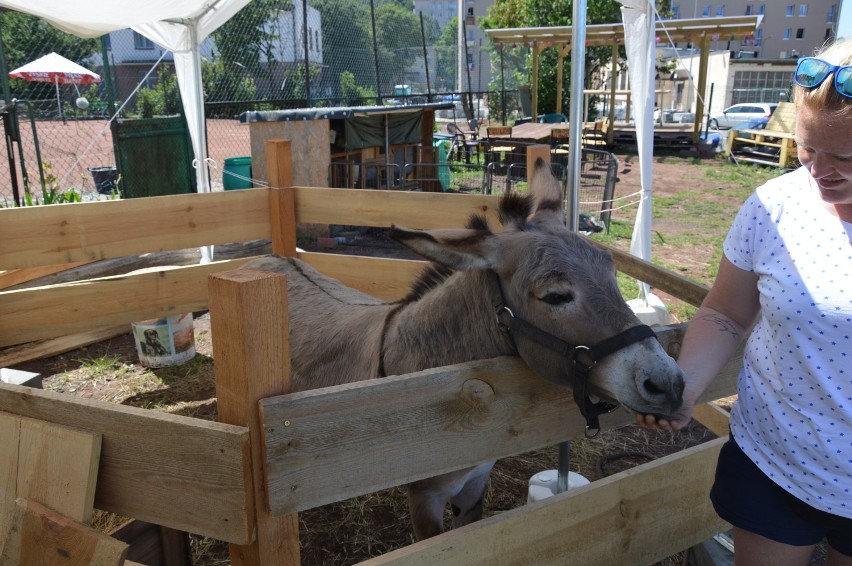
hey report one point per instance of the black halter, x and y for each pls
(583, 358)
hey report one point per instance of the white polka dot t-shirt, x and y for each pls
(793, 415)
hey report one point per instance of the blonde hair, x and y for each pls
(825, 97)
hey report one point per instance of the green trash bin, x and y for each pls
(443, 147)
(237, 173)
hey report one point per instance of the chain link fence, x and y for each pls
(274, 54)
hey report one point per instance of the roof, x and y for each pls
(693, 29)
(336, 112)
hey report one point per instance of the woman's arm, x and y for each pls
(712, 337)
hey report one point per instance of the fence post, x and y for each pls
(282, 202)
(251, 352)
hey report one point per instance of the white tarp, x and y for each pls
(640, 44)
(177, 26)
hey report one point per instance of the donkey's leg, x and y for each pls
(467, 503)
(428, 498)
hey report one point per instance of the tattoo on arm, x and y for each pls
(724, 324)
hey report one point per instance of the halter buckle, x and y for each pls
(500, 310)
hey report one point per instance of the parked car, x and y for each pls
(739, 113)
(755, 124)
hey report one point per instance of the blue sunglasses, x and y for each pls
(812, 72)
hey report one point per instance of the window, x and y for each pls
(142, 42)
(108, 41)
(803, 10)
(757, 33)
(832, 13)
(800, 33)
(705, 11)
(676, 12)
(761, 10)
(720, 11)
(150, 82)
(316, 39)
(748, 10)
(788, 33)
(790, 9)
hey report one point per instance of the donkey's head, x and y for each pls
(557, 296)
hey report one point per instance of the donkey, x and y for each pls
(536, 290)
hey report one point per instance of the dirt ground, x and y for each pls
(351, 531)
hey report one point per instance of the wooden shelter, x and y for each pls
(699, 31)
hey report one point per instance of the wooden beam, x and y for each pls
(251, 352)
(316, 441)
(44, 312)
(383, 278)
(49, 347)
(385, 208)
(639, 516)
(183, 473)
(48, 235)
(40, 535)
(656, 276)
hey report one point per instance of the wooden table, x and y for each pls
(532, 131)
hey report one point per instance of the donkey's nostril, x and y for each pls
(651, 388)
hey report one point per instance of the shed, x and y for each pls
(354, 135)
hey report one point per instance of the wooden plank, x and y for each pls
(384, 278)
(57, 467)
(331, 444)
(657, 277)
(18, 276)
(42, 536)
(638, 516)
(45, 312)
(47, 235)
(385, 208)
(10, 436)
(251, 350)
(713, 418)
(37, 350)
(183, 473)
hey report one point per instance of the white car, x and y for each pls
(739, 113)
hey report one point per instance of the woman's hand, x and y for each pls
(675, 422)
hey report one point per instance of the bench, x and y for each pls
(774, 146)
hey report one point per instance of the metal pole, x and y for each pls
(107, 77)
(307, 54)
(503, 84)
(425, 60)
(376, 53)
(578, 58)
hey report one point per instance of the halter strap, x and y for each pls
(582, 358)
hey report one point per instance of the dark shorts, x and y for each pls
(746, 497)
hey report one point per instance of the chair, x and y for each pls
(462, 145)
(498, 146)
(559, 141)
(553, 118)
(595, 135)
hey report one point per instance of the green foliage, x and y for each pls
(353, 93)
(50, 191)
(163, 99)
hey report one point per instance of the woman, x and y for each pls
(784, 479)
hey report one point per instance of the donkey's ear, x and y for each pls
(547, 193)
(462, 249)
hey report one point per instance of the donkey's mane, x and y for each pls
(513, 209)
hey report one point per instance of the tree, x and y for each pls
(26, 38)
(399, 39)
(346, 43)
(542, 13)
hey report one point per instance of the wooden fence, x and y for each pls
(244, 479)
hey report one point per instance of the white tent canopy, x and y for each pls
(177, 26)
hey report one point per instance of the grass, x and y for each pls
(689, 225)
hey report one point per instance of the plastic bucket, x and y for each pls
(104, 178)
(237, 173)
(165, 341)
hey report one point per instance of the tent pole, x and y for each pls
(58, 99)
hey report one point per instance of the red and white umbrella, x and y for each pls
(56, 69)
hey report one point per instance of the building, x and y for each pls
(477, 58)
(133, 57)
(754, 69)
(789, 29)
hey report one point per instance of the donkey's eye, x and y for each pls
(558, 298)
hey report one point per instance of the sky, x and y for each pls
(844, 23)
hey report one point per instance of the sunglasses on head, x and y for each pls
(812, 72)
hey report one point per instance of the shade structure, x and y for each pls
(56, 69)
